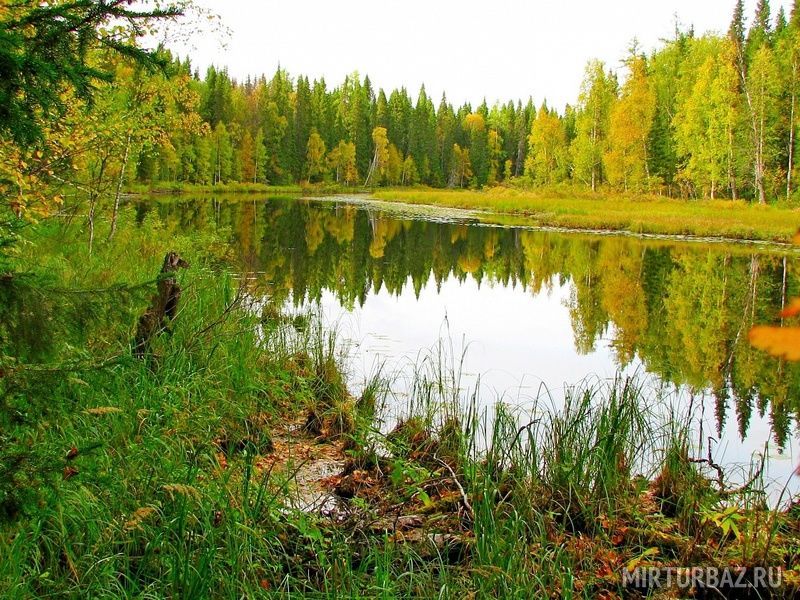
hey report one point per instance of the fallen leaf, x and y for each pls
(634, 563)
(604, 571)
(72, 454)
(70, 472)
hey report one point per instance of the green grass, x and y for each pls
(144, 478)
(579, 209)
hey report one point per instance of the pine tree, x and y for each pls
(761, 30)
(302, 126)
(475, 126)
(736, 30)
(445, 134)
(46, 62)
(322, 112)
(781, 24)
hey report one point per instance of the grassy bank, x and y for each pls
(602, 211)
(188, 473)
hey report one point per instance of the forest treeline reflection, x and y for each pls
(682, 309)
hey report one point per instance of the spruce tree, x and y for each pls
(736, 30)
(762, 20)
(780, 22)
(45, 49)
(761, 29)
(302, 125)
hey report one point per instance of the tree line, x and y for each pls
(711, 116)
(701, 116)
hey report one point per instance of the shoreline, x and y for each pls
(565, 211)
(723, 220)
(491, 218)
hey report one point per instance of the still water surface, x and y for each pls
(534, 311)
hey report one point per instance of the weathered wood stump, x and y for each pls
(163, 306)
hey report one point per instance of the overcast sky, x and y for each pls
(500, 49)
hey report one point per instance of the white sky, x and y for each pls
(501, 50)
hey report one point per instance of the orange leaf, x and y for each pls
(796, 239)
(793, 309)
(783, 342)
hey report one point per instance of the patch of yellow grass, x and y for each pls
(624, 212)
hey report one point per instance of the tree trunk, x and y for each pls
(92, 199)
(115, 214)
(372, 167)
(731, 170)
(783, 290)
(93, 195)
(218, 171)
(791, 135)
(760, 166)
(758, 134)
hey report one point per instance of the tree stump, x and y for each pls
(163, 306)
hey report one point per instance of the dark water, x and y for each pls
(534, 309)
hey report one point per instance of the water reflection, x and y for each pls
(679, 310)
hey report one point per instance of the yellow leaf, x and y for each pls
(783, 342)
(635, 562)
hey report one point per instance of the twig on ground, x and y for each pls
(464, 499)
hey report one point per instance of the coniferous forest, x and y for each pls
(703, 116)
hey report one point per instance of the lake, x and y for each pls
(523, 313)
